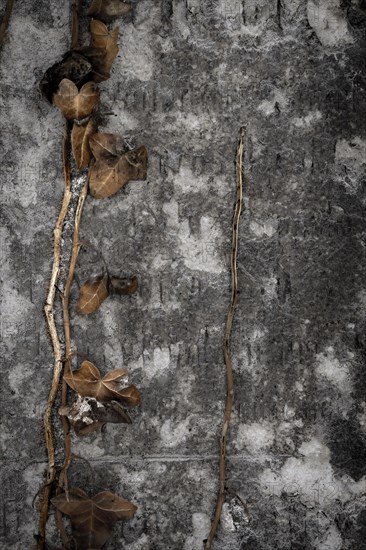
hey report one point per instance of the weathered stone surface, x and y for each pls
(188, 75)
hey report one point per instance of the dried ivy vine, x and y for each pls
(227, 341)
(100, 163)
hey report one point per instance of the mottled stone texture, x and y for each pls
(188, 75)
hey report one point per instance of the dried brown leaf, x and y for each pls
(81, 428)
(104, 44)
(122, 286)
(105, 145)
(93, 518)
(112, 412)
(113, 168)
(92, 294)
(73, 103)
(80, 135)
(107, 10)
(87, 382)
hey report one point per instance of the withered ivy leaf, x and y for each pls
(87, 382)
(84, 429)
(74, 66)
(112, 412)
(107, 10)
(75, 104)
(92, 295)
(103, 49)
(93, 518)
(122, 286)
(104, 145)
(80, 136)
(113, 169)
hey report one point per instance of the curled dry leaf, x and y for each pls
(112, 412)
(122, 286)
(113, 168)
(92, 294)
(87, 414)
(107, 10)
(80, 136)
(74, 104)
(87, 382)
(103, 49)
(82, 428)
(93, 518)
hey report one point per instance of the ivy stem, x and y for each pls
(227, 338)
(66, 317)
(56, 344)
(50, 319)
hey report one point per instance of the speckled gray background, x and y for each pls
(188, 75)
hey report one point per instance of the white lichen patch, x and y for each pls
(255, 437)
(332, 540)
(302, 476)
(270, 287)
(310, 477)
(171, 210)
(329, 22)
(279, 100)
(201, 252)
(266, 228)
(143, 543)
(181, 28)
(16, 315)
(200, 526)
(226, 521)
(18, 375)
(330, 368)
(308, 120)
(187, 182)
(351, 150)
(159, 361)
(135, 41)
(173, 434)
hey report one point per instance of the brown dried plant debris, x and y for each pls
(122, 286)
(114, 168)
(80, 136)
(107, 10)
(87, 382)
(92, 295)
(87, 414)
(102, 51)
(93, 518)
(75, 104)
(73, 66)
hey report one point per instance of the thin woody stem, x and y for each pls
(57, 351)
(49, 313)
(66, 315)
(227, 338)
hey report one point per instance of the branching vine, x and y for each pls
(102, 163)
(227, 340)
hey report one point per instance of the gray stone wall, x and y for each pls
(188, 75)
